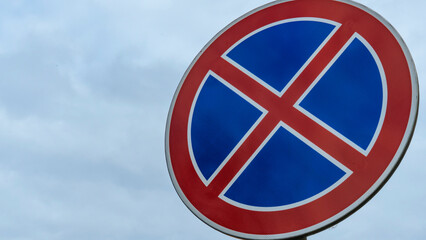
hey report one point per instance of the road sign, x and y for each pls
(291, 118)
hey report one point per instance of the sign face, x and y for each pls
(291, 118)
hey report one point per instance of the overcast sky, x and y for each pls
(85, 88)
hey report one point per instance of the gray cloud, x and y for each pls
(85, 88)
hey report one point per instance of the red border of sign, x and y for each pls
(372, 170)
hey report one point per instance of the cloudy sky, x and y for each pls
(85, 88)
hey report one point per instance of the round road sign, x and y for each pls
(291, 118)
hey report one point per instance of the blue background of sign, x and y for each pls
(348, 98)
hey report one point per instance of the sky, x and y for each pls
(85, 89)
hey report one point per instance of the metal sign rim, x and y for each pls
(355, 205)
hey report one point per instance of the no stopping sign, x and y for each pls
(291, 118)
